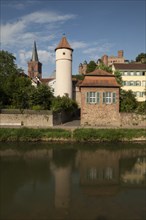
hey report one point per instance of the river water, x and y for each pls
(72, 181)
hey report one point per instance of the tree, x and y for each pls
(10, 77)
(141, 58)
(63, 104)
(91, 66)
(128, 101)
(41, 97)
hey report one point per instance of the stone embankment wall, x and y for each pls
(132, 120)
(28, 118)
(32, 118)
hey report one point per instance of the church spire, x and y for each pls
(34, 53)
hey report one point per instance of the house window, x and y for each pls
(138, 83)
(93, 97)
(109, 97)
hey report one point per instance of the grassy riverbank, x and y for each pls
(79, 135)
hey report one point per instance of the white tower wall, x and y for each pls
(63, 72)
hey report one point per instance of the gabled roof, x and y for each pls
(99, 72)
(63, 44)
(130, 66)
(99, 78)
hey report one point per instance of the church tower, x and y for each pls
(34, 66)
(63, 68)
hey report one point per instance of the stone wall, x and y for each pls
(132, 120)
(28, 118)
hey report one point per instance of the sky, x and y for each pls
(92, 27)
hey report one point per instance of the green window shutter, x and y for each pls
(114, 97)
(97, 97)
(87, 97)
(104, 97)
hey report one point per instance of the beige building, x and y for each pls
(134, 78)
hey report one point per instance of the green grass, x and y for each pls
(29, 134)
(79, 135)
(90, 134)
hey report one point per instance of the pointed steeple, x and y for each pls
(34, 53)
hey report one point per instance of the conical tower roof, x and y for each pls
(63, 44)
(34, 53)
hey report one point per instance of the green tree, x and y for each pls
(63, 104)
(15, 86)
(91, 66)
(128, 102)
(141, 58)
(41, 97)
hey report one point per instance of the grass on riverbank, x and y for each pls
(29, 134)
(79, 135)
(91, 134)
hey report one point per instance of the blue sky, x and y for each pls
(93, 28)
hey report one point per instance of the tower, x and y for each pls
(34, 66)
(63, 68)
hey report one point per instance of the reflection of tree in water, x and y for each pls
(63, 157)
(17, 172)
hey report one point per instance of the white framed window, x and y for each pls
(109, 97)
(92, 97)
(131, 83)
(138, 83)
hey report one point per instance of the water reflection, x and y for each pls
(73, 184)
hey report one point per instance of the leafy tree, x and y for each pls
(63, 103)
(91, 66)
(41, 97)
(141, 58)
(128, 101)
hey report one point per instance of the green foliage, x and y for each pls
(90, 134)
(118, 76)
(141, 58)
(78, 77)
(117, 73)
(41, 96)
(91, 66)
(63, 104)
(28, 134)
(102, 66)
(141, 108)
(128, 101)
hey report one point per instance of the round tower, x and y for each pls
(63, 69)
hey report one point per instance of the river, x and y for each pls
(72, 181)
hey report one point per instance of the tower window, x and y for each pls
(63, 53)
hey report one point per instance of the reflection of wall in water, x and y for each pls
(137, 174)
(99, 167)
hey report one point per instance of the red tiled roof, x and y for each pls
(99, 72)
(63, 44)
(130, 66)
(46, 80)
(97, 81)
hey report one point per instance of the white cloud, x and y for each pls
(78, 44)
(21, 31)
